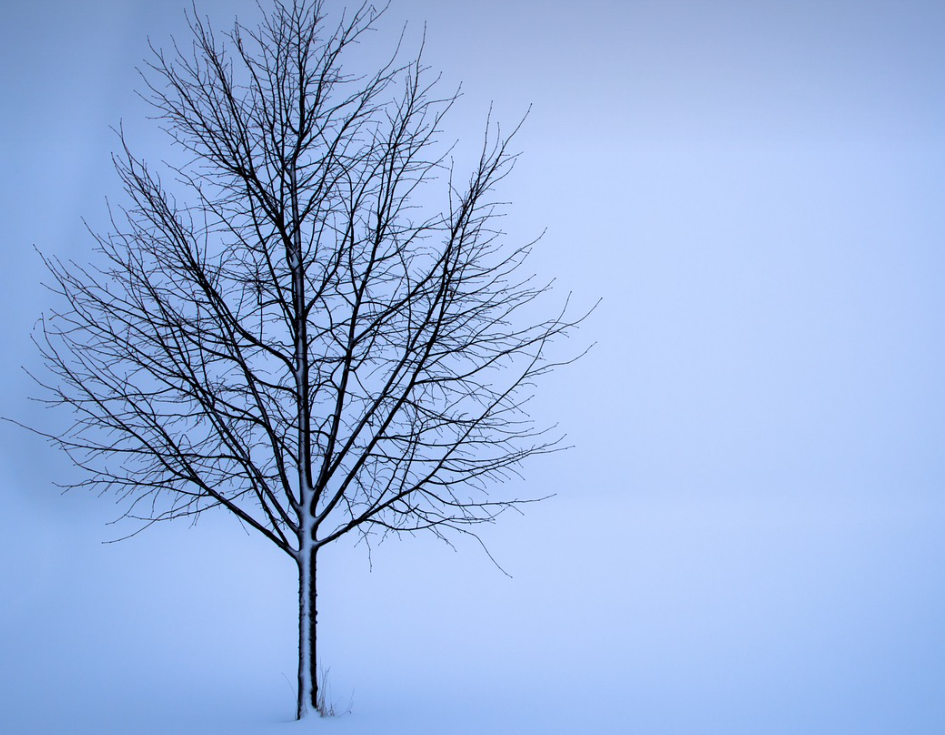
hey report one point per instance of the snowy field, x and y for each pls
(635, 616)
(749, 537)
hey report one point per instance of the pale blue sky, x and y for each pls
(748, 536)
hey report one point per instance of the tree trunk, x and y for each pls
(308, 611)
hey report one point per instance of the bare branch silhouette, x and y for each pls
(309, 332)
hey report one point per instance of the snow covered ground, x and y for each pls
(636, 616)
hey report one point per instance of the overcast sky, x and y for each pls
(749, 535)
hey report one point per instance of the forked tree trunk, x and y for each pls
(308, 611)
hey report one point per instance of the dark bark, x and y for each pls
(308, 694)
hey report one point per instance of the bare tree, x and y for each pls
(295, 328)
